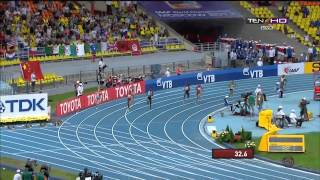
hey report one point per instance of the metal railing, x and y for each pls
(209, 46)
(148, 71)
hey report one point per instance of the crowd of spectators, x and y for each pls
(304, 10)
(36, 24)
(243, 52)
(114, 80)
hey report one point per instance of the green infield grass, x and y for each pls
(309, 159)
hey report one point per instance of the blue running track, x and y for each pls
(162, 143)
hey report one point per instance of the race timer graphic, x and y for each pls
(232, 153)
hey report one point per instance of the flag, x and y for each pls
(129, 45)
(134, 47)
(67, 50)
(55, 50)
(80, 49)
(31, 66)
(104, 46)
(11, 50)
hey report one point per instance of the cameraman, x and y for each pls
(102, 66)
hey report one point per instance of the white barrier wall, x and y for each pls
(23, 105)
(290, 68)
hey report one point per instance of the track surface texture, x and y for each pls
(162, 143)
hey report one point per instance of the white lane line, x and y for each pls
(50, 162)
(208, 102)
(148, 126)
(120, 165)
(44, 150)
(82, 157)
(111, 149)
(144, 157)
(52, 157)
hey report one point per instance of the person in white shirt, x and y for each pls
(280, 111)
(258, 90)
(282, 115)
(260, 62)
(80, 89)
(228, 103)
(272, 54)
(293, 116)
(102, 66)
(33, 81)
(167, 73)
(17, 176)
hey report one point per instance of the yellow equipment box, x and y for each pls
(286, 143)
(265, 119)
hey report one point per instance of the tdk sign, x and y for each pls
(23, 105)
(252, 73)
(26, 105)
(206, 78)
(164, 84)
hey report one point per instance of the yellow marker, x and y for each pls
(210, 119)
(310, 115)
(214, 134)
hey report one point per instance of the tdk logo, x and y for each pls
(164, 84)
(252, 73)
(25, 105)
(206, 78)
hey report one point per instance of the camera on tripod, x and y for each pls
(88, 175)
(246, 94)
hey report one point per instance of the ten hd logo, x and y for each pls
(266, 23)
(253, 20)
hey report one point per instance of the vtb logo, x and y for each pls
(316, 67)
(164, 84)
(2, 107)
(206, 78)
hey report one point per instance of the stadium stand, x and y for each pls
(48, 79)
(51, 31)
(306, 15)
(264, 12)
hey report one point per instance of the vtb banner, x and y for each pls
(23, 105)
(211, 77)
(75, 104)
(129, 45)
(311, 67)
(31, 66)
